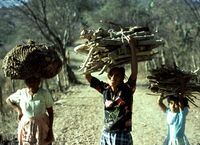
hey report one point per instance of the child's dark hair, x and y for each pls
(176, 100)
(121, 70)
(172, 98)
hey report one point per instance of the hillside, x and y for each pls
(79, 115)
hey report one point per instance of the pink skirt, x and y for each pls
(33, 131)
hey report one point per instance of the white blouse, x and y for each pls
(32, 106)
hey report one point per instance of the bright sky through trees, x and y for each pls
(8, 3)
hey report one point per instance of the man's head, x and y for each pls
(116, 75)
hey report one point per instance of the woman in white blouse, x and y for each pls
(34, 106)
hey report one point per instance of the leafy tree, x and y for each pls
(59, 22)
(56, 21)
(178, 25)
(107, 11)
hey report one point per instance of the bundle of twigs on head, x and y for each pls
(31, 60)
(108, 48)
(173, 80)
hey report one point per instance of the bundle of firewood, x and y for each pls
(109, 48)
(173, 80)
(31, 59)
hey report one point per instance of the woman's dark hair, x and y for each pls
(113, 70)
(32, 79)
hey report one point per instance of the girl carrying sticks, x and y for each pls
(176, 114)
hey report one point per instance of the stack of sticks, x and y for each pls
(172, 80)
(108, 48)
(31, 60)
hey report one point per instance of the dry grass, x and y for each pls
(79, 116)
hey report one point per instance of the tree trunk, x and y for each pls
(58, 82)
(13, 85)
(1, 103)
(47, 86)
(71, 76)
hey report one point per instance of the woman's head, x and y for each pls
(116, 75)
(33, 82)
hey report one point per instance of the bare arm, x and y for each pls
(134, 63)
(181, 95)
(50, 113)
(51, 117)
(88, 77)
(161, 104)
(181, 102)
(16, 107)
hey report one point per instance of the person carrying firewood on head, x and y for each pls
(118, 101)
(176, 118)
(34, 106)
(32, 63)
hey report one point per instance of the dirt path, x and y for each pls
(79, 115)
